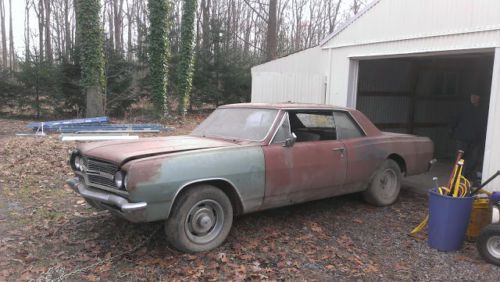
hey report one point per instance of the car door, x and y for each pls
(312, 168)
(361, 152)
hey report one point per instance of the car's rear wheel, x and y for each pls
(385, 186)
(200, 219)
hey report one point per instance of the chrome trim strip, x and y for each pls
(285, 116)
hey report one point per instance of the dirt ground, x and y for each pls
(47, 232)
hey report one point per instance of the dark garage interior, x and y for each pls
(421, 95)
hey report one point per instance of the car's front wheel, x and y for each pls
(200, 219)
(385, 185)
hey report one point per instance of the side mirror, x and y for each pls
(290, 141)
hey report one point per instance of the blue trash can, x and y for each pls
(448, 221)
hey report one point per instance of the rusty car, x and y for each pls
(245, 158)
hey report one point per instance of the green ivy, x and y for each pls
(90, 46)
(186, 61)
(159, 52)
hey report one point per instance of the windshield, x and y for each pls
(237, 123)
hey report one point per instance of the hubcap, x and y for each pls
(204, 221)
(493, 246)
(388, 183)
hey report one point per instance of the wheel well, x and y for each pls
(399, 160)
(226, 187)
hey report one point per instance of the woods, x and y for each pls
(88, 58)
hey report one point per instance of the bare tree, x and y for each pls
(4, 33)
(48, 35)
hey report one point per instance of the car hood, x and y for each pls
(119, 152)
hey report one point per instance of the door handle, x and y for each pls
(339, 150)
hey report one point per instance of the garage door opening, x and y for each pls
(421, 95)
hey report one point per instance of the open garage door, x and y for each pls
(421, 95)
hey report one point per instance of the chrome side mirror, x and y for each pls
(290, 141)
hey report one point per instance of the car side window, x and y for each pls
(283, 131)
(312, 125)
(347, 128)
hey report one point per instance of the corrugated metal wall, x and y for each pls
(395, 20)
(300, 77)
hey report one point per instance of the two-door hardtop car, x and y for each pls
(245, 158)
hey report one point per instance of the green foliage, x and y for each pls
(159, 11)
(119, 77)
(90, 45)
(221, 73)
(54, 87)
(186, 54)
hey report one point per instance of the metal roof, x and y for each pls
(349, 22)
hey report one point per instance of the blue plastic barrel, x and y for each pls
(448, 221)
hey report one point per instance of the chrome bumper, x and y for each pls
(131, 211)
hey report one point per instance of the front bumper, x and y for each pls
(135, 212)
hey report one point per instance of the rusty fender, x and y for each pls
(159, 180)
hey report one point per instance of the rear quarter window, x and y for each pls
(347, 128)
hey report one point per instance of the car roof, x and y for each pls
(286, 106)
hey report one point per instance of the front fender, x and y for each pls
(160, 179)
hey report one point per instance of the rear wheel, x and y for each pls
(384, 188)
(200, 220)
(488, 244)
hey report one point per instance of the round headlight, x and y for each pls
(81, 164)
(125, 181)
(119, 179)
(77, 162)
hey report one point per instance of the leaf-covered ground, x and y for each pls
(47, 232)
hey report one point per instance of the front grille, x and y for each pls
(101, 173)
(95, 165)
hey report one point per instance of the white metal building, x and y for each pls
(407, 64)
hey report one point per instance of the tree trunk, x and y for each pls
(205, 26)
(67, 32)
(48, 36)
(11, 36)
(4, 34)
(90, 45)
(27, 31)
(95, 101)
(118, 22)
(272, 37)
(41, 24)
(186, 54)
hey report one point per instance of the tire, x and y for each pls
(488, 243)
(385, 185)
(200, 220)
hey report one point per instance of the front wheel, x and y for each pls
(200, 219)
(384, 188)
(488, 243)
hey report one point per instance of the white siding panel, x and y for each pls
(284, 87)
(300, 77)
(393, 20)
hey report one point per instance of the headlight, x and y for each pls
(77, 162)
(81, 164)
(125, 181)
(119, 179)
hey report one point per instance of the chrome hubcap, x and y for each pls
(388, 182)
(204, 221)
(493, 246)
